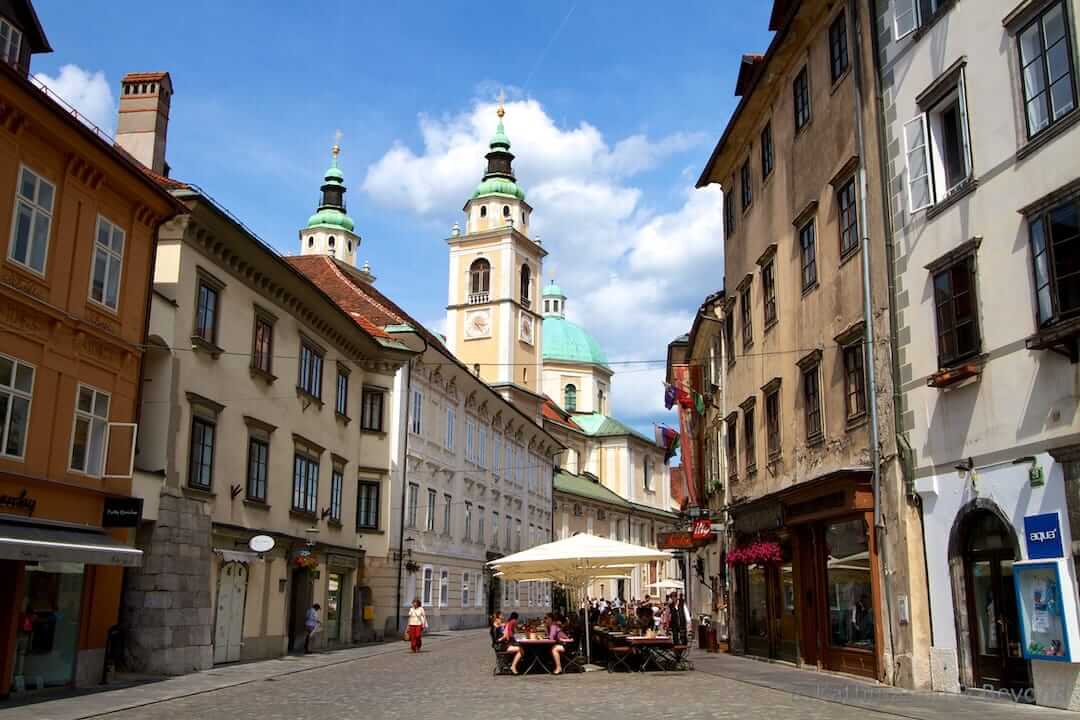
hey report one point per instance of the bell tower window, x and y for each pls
(479, 281)
(331, 242)
(311, 241)
(526, 280)
(570, 398)
(483, 211)
(506, 211)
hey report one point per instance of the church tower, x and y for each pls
(330, 230)
(493, 309)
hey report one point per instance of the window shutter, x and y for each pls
(906, 17)
(918, 163)
(961, 92)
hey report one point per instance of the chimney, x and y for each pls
(143, 122)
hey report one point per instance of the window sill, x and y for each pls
(256, 504)
(810, 288)
(1062, 337)
(854, 423)
(198, 493)
(303, 514)
(305, 395)
(846, 257)
(269, 377)
(38, 278)
(370, 531)
(112, 314)
(961, 191)
(342, 418)
(840, 80)
(198, 343)
(1046, 135)
(373, 431)
(956, 373)
(334, 524)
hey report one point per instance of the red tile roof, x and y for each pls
(366, 311)
(554, 413)
(145, 76)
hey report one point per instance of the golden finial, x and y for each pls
(501, 111)
(337, 144)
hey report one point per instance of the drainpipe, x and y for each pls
(868, 320)
(404, 484)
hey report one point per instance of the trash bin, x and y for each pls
(707, 638)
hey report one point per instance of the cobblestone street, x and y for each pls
(452, 678)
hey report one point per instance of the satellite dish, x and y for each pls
(261, 543)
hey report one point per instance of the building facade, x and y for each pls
(980, 111)
(827, 548)
(80, 220)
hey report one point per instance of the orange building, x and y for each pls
(80, 218)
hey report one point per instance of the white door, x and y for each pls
(229, 627)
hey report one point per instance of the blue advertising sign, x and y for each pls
(1042, 533)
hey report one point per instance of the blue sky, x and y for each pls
(612, 109)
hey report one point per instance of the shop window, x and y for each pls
(367, 505)
(51, 607)
(849, 585)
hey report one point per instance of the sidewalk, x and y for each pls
(94, 702)
(866, 694)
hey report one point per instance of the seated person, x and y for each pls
(506, 642)
(496, 628)
(555, 632)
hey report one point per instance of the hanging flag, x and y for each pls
(699, 404)
(672, 444)
(669, 396)
(684, 399)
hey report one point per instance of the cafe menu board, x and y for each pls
(1047, 616)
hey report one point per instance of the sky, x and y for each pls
(612, 110)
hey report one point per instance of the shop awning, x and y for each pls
(38, 542)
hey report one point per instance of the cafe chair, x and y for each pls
(619, 656)
(681, 656)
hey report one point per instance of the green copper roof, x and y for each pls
(563, 340)
(331, 217)
(585, 487)
(598, 425)
(500, 139)
(553, 290)
(499, 186)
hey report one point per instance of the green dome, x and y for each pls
(564, 341)
(332, 217)
(499, 186)
(553, 290)
(334, 173)
(500, 138)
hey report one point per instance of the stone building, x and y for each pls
(979, 118)
(829, 561)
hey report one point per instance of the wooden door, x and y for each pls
(229, 623)
(993, 622)
(809, 586)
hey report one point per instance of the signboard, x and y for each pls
(675, 541)
(1042, 534)
(702, 530)
(758, 519)
(122, 512)
(18, 503)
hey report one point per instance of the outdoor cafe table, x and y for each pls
(535, 652)
(656, 651)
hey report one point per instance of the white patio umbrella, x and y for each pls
(667, 585)
(576, 560)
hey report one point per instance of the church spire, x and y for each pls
(499, 178)
(330, 230)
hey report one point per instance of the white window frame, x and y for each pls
(112, 255)
(466, 580)
(917, 148)
(90, 417)
(468, 521)
(481, 583)
(416, 413)
(931, 148)
(13, 393)
(906, 11)
(12, 43)
(448, 516)
(444, 588)
(427, 581)
(481, 447)
(37, 212)
(413, 508)
(470, 439)
(448, 440)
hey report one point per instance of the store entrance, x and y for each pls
(993, 622)
(48, 626)
(771, 621)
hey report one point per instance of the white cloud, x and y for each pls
(88, 92)
(634, 274)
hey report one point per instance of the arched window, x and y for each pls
(348, 245)
(526, 279)
(330, 243)
(483, 211)
(506, 211)
(600, 402)
(479, 276)
(570, 398)
(311, 242)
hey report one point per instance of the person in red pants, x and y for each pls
(417, 625)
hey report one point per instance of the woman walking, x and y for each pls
(417, 625)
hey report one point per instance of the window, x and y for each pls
(206, 312)
(808, 249)
(201, 458)
(506, 211)
(517, 536)
(108, 261)
(747, 321)
(447, 515)
(311, 362)
(526, 279)
(16, 392)
(749, 451)
(801, 93)
(766, 151)
(1047, 69)
(337, 479)
(257, 468)
(341, 399)
(416, 412)
(955, 308)
(849, 221)
(262, 349)
(428, 579)
(768, 287)
(371, 417)
(938, 149)
(465, 580)
(509, 529)
(33, 217)
(481, 447)
(601, 407)
(88, 437)
(468, 521)
(429, 519)
(494, 528)
(483, 211)
(744, 185)
(910, 14)
(647, 470)
(772, 422)
(570, 398)
(479, 279)
(1055, 253)
(812, 403)
(367, 505)
(854, 380)
(480, 523)
(305, 488)
(729, 210)
(414, 502)
(851, 584)
(729, 336)
(470, 439)
(10, 42)
(448, 440)
(838, 49)
(732, 445)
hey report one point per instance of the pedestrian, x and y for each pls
(311, 625)
(417, 625)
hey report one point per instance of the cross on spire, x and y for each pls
(337, 144)
(502, 97)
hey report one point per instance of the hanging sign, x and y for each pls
(675, 541)
(702, 530)
(1042, 534)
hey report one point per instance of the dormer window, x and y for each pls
(506, 211)
(330, 243)
(483, 211)
(10, 42)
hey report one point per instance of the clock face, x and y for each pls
(477, 325)
(527, 328)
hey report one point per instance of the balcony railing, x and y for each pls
(525, 302)
(478, 298)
